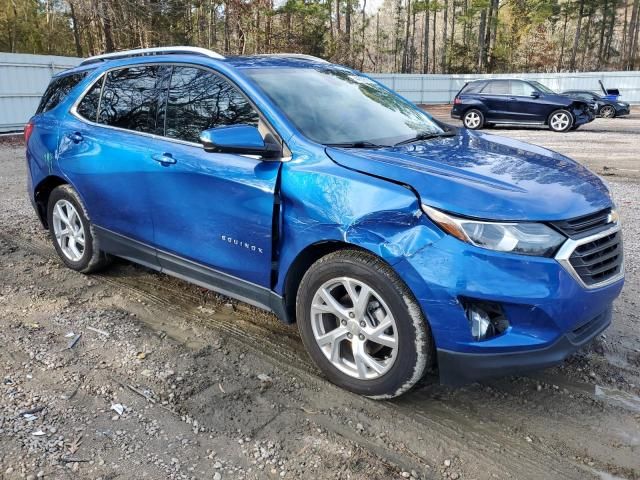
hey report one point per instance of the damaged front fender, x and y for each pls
(323, 202)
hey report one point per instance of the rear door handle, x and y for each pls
(76, 137)
(164, 159)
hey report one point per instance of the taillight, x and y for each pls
(457, 100)
(28, 130)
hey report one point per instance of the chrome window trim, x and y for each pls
(286, 156)
(569, 246)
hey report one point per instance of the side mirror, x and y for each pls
(241, 139)
(535, 94)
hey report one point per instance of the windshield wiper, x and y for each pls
(358, 144)
(425, 136)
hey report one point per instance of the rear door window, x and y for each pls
(497, 87)
(199, 99)
(58, 90)
(131, 98)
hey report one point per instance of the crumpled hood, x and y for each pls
(485, 176)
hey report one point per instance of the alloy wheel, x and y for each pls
(607, 111)
(560, 121)
(68, 230)
(354, 328)
(472, 120)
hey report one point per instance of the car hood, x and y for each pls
(485, 176)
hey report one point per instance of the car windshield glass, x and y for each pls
(542, 87)
(337, 106)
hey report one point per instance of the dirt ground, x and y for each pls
(167, 380)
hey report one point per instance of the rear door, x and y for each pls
(106, 153)
(214, 210)
(496, 95)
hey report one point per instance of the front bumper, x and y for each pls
(620, 111)
(584, 116)
(459, 368)
(550, 313)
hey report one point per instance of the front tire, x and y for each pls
(362, 326)
(473, 119)
(560, 121)
(607, 111)
(71, 231)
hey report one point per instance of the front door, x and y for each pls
(530, 103)
(214, 210)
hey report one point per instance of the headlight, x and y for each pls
(522, 238)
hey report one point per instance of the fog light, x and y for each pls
(486, 319)
(480, 324)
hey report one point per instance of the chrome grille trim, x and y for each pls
(564, 254)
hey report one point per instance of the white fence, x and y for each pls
(23, 79)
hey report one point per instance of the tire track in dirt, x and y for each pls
(444, 426)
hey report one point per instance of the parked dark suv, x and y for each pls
(509, 101)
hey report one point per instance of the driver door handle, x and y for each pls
(164, 159)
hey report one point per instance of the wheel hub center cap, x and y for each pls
(353, 327)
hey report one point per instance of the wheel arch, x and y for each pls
(569, 110)
(41, 194)
(301, 263)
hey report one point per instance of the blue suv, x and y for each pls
(503, 101)
(396, 243)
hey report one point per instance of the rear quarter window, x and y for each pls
(58, 90)
(473, 87)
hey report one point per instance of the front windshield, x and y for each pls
(542, 88)
(336, 106)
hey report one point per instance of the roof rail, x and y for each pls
(293, 55)
(141, 52)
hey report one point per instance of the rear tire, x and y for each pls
(560, 121)
(473, 119)
(72, 233)
(378, 345)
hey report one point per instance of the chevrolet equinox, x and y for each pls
(396, 243)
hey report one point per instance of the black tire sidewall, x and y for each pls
(407, 357)
(482, 119)
(65, 193)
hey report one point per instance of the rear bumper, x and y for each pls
(459, 368)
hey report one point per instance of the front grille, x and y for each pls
(586, 225)
(598, 260)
